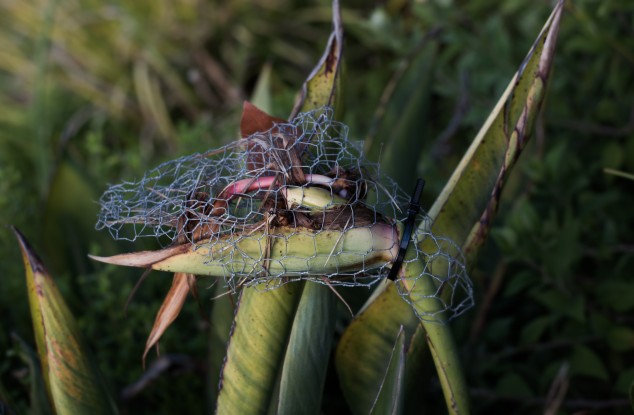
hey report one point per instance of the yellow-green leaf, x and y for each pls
(465, 207)
(72, 379)
(250, 380)
(308, 351)
(323, 84)
(256, 348)
(365, 348)
(389, 401)
(294, 251)
(262, 96)
(221, 319)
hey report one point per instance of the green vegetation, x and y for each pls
(95, 93)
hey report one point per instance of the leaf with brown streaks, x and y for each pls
(464, 214)
(72, 379)
(322, 85)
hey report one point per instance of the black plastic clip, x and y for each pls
(412, 211)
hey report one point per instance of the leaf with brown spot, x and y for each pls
(72, 379)
(172, 305)
(322, 86)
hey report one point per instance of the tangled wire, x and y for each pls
(296, 202)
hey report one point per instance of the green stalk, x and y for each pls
(464, 215)
(439, 337)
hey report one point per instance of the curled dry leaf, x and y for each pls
(254, 120)
(172, 305)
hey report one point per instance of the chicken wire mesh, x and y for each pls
(297, 202)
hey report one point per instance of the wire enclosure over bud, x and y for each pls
(296, 202)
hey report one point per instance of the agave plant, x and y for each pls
(293, 209)
(296, 202)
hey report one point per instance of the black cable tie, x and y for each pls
(412, 211)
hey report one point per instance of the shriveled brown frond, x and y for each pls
(170, 309)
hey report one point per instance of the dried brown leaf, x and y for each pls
(143, 259)
(254, 120)
(182, 284)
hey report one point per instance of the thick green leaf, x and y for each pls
(444, 352)
(259, 339)
(256, 349)
(250, 381)
(465, 207)
(308, 352)
(363, 353)
(390, 398)
(72, 380)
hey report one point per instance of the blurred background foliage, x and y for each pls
(95, 92)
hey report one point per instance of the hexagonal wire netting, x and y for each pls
(297, 202)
